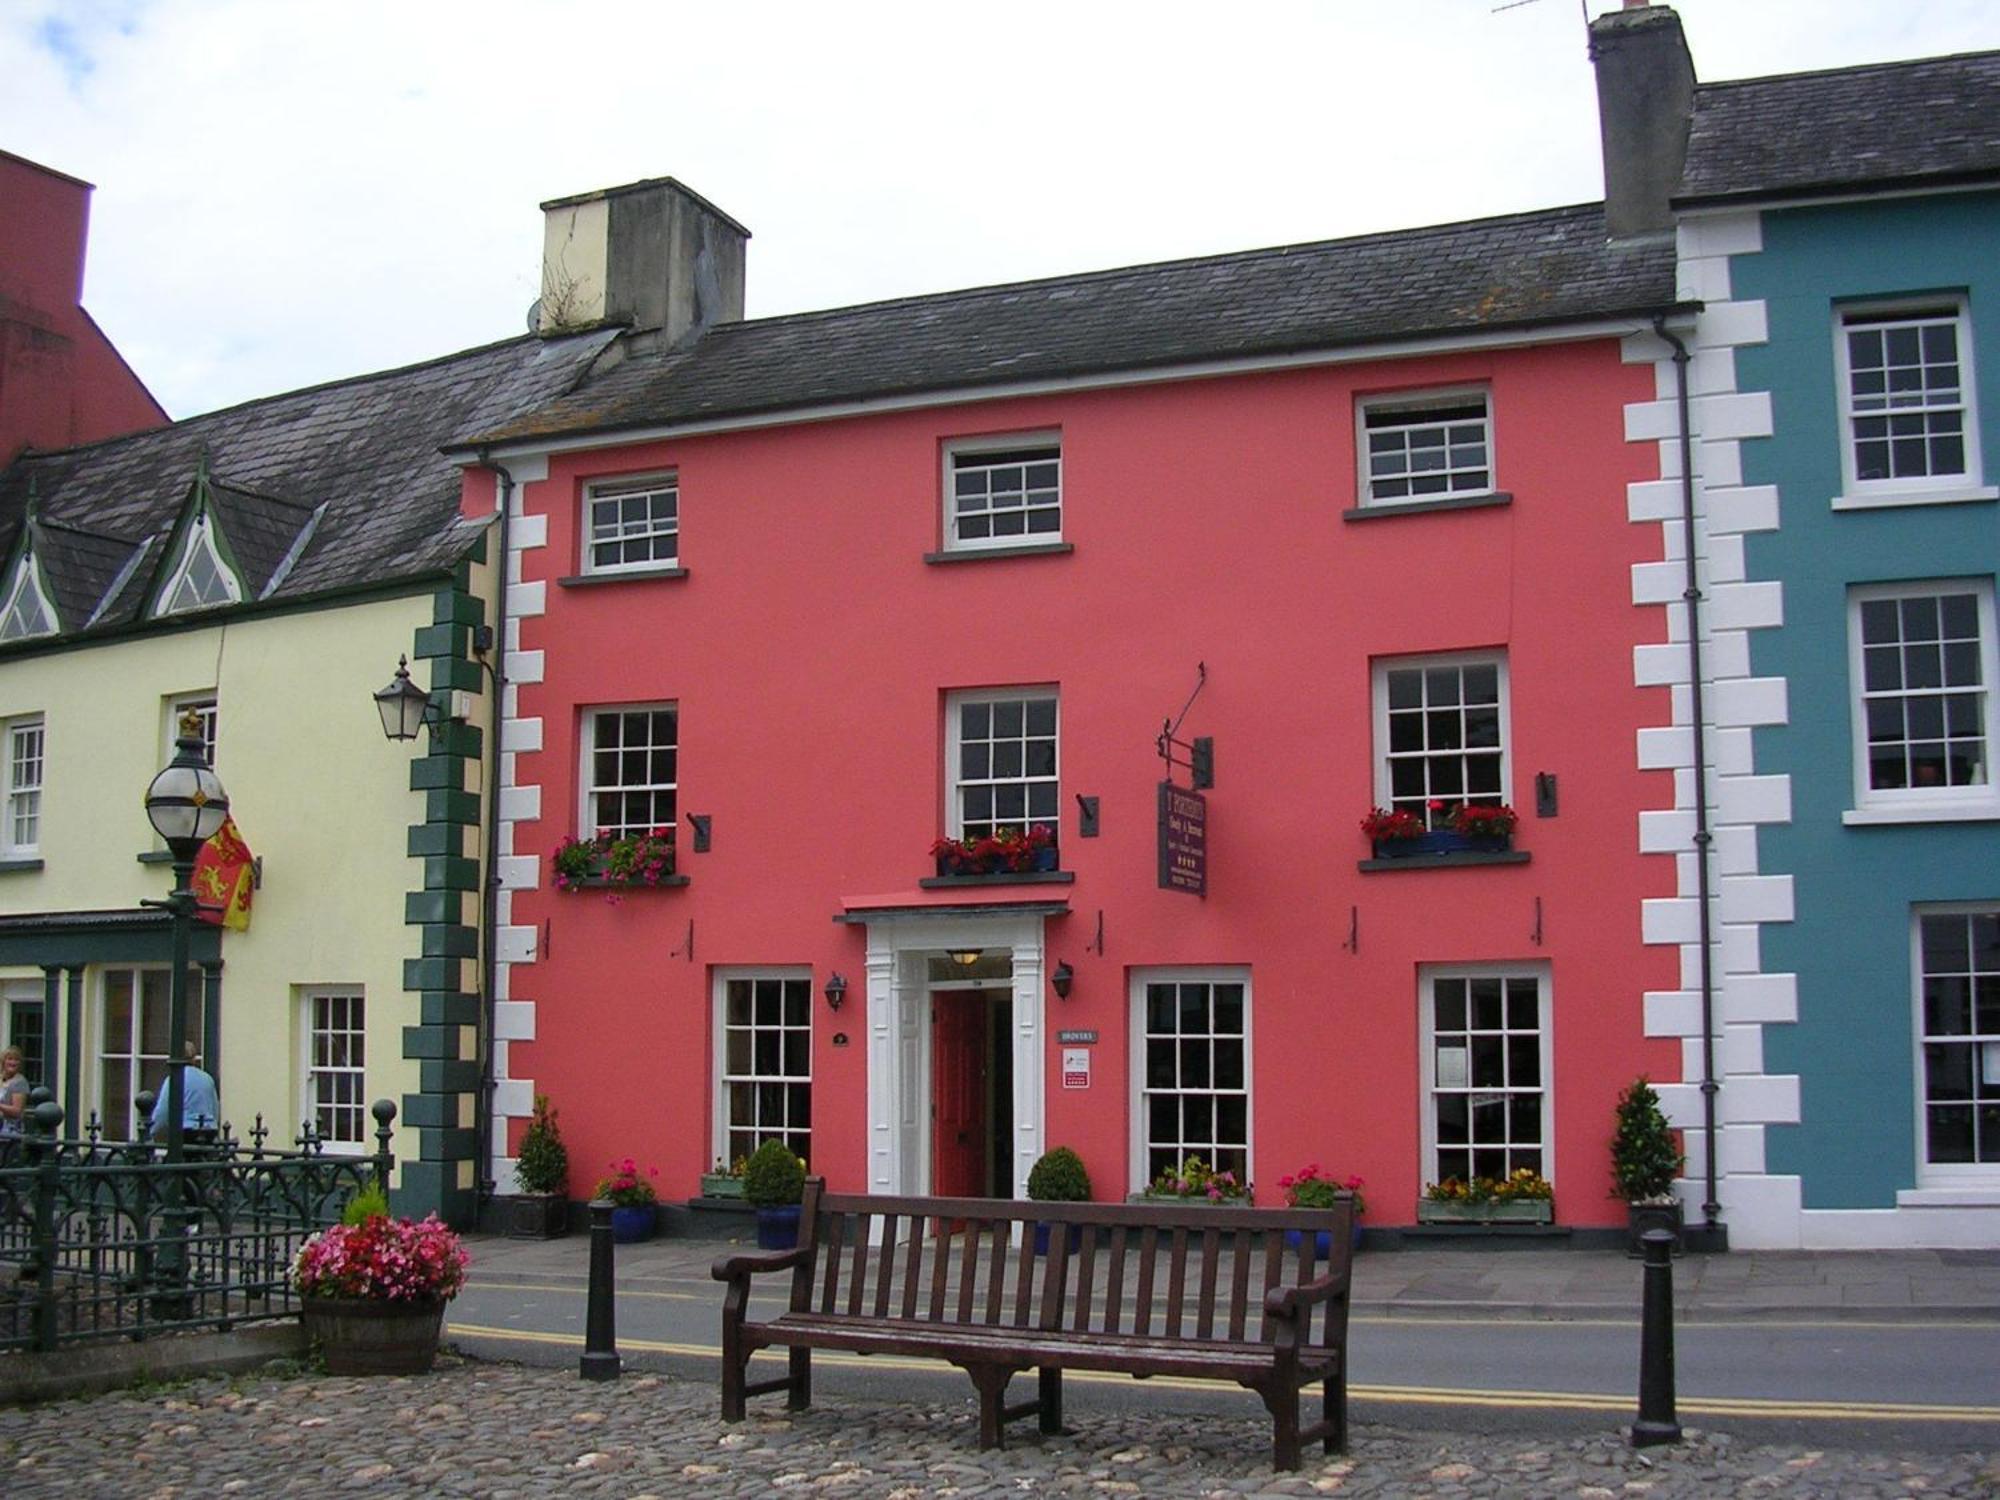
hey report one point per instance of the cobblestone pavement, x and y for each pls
(474, 1428)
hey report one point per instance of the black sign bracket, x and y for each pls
(1196, 756)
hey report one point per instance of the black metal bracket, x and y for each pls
(1545, 794)
(1196, 756)
(1353, 941)
(686, 949)
(699, 823)
(1096, 944)
(1086, 817)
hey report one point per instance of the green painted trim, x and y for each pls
(432, 641)
(422, 1042)
(433, 906)
(453, 606)
(449, 940)
(431, 973)
(427, 839)
(443, 806)
(437, 772)
(459, 739)
(73, 939)
(428, 1112)
(447, 1143)
(450, 874)
(449, 674)
(448, 1008)
(443, 1075)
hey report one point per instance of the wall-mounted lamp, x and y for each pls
(965, 958)
(1062, 979)
(405, 707)
(836, 991)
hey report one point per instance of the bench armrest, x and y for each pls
(1289, 1301)
(755, 1263)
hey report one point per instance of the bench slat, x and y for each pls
(913, 1266)
(996, 1271)
(1177, 1282)
(885, 1265)
(1239, 1289)
(830, 1284)
(1086, 1268)
(1024, 1279)
(1211, 1242)
(1142, 1302)
(1274, 1262)
(941, 1266)
(1114, 1290)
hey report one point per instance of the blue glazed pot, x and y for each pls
(1042, 1238)
(1322, 1241)
(629, 1225)
(778, 1227)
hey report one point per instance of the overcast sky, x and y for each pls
(289, 193)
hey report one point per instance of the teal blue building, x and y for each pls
(1841, 231)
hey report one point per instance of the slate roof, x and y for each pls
(364, 449)
(1936, 120)
(1519, 271)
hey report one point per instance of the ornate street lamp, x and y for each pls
(405, 707)
(186, 806)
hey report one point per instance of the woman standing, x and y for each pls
(13, 1099)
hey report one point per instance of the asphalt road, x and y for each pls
(1929, 1386)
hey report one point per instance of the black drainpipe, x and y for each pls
(489, 875)
(1691, 595)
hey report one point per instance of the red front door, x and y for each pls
(958, 1093)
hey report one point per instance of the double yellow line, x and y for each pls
(1398, 1395)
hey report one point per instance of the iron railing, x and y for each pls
(108, 1240)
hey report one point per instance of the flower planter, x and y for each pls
(1042, 1238)
(361, 1336)
(537, 1216)
(1513, 1211)
(778, 1226)
(1640, 1217)
(1444, 841)
(1322, 1240)
(721, 1185)
(631, 1223)
(1190, 1200)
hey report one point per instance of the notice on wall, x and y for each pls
(1076, 1068)
(1183, 840)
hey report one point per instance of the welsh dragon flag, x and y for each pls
(223, 879)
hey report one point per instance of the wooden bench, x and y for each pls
(1158, 1288)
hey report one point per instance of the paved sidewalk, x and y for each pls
(1911, 1285)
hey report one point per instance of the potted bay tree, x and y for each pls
(1645, 1160)
(540, 1211)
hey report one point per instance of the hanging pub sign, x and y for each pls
(1183, 840)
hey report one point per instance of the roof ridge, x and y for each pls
(183, 424)
(1081, 277)
(1848, 70)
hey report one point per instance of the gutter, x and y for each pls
(489, 876)
(1711, 1208)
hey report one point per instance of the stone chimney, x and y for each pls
(1645, 99)
(649, 255)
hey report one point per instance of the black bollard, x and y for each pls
(1657, 1423)
(600, 1333)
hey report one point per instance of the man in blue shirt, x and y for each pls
(201, 1109)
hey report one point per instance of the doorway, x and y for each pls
(972, 1084)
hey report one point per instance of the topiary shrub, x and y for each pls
(1645, 1158)
(1059, 1177)
(542, 1166)
(774, 1176)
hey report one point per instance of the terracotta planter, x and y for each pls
(360, 1336)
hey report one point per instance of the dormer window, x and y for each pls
(28, 612)
(202, 580)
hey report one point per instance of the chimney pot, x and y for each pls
(1645, 101)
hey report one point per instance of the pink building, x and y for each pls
(61, 381)
(812, 593)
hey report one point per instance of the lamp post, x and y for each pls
(186, 806)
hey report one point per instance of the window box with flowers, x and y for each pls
(1195, 1183)
(615, 863)
(1460, 833)
(1008, 854)
(1525, 1197)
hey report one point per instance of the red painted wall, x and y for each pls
(810, 646)
(61, 381)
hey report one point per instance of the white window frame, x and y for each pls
(1415, 403)
(28, 582)
(589, 821)
(1925, 489)
(311, 1070)
(954, 781)
(1382, 666)
(1140, 1144)
(974, 448)
(15, 790)
(1922, 804)
(719, 1122)
(207, 705)
(624, 488)
(1427, 977)
(1941, 1174)
(200, 538)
